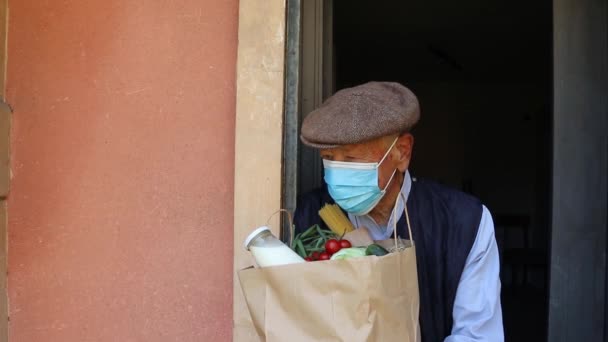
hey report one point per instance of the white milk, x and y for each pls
(275, 255)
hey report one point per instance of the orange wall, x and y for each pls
(121, 199)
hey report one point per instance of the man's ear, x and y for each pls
(403, 151)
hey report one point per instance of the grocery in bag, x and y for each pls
(363, 297)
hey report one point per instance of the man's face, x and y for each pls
(372, 152)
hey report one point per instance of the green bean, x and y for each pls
(309, 231)
(301, 249)
(320, 231)
(309, 238)
(313, 246)
(312, 239)
(295, 239)
(329, 233)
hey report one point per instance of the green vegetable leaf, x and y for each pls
(347, 253)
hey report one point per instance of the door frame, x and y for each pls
(258, 136)
(577, 294)
(267, 94)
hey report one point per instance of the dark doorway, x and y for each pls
(483, 73)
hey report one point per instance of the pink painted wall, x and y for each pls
(121, 200)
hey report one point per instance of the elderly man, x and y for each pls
(363, 134)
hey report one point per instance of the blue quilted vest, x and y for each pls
(444, 224)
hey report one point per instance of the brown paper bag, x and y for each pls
(362, 299)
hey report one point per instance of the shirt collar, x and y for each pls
(383, 232)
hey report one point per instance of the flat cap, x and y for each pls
(362, 113)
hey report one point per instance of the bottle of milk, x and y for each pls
(268, 251)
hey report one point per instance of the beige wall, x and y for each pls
(259, 133)
(121, 204)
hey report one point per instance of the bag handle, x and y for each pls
(407, 220)
(291, 226)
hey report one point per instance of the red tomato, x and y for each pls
(315, 255)
(308, 259)
(345, 244)
(324, 256)
(332, 246)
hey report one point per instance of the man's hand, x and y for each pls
(359, 237)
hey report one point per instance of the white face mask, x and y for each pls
(354, 186)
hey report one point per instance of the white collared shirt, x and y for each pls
(477, 312)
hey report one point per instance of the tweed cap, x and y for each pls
(362, 113)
